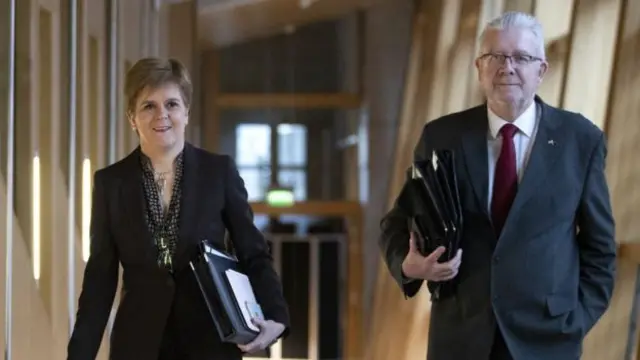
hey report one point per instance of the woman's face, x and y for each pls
(160, 116)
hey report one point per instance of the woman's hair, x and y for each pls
(152, 73)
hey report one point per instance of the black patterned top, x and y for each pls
(163, 224)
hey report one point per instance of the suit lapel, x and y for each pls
(132, 196)
(475, 154)
(546, 150)
(544, 154)
(189, 211)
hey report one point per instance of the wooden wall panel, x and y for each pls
(386, 31)
(591, 56)
(5, 106)
(411, 91)
(552, 87)
(183, 45)
(594, 53)
(461, 57)
(210, 130)
(29, 318)
(556, 18)
(527, 6)
(610, 339)
(623, 127)
(384, 346)
(447, 36)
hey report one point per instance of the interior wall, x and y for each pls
(386, 36)
(347, 125)
(179, 41)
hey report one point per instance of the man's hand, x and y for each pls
(416, 266)
(269, 333)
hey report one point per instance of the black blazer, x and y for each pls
(549, 277)
(214, 199)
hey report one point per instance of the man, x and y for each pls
(537, 265)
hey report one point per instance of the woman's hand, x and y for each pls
(269, 333)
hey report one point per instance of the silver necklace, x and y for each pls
(161, 182)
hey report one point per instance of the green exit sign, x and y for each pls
(280, 197)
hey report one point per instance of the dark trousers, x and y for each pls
(499, 350)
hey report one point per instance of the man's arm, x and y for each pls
(394, 245)
(394, 237)
(596, 239)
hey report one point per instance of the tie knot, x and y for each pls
(508, 130)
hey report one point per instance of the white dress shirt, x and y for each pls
(527, 124)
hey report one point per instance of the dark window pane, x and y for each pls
(295, 281)
(330, 331)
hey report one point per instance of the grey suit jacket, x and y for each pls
(549, 276)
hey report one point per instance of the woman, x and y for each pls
(149, 213)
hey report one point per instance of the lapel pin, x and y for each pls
(552, 142)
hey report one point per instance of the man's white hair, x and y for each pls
(516, 19)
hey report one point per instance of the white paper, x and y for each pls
(241, 287)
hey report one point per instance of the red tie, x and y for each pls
(505, 182)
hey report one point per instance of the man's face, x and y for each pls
(510, 66)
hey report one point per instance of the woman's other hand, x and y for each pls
(269, 333)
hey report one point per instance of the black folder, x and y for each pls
(431, 198)
(209, 267)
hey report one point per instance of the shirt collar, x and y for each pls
(145, 161)
(526, 122)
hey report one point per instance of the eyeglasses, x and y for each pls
(518, 59)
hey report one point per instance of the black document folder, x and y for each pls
(431, 198)
(211, 269)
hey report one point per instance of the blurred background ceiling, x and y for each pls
(226, 22)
